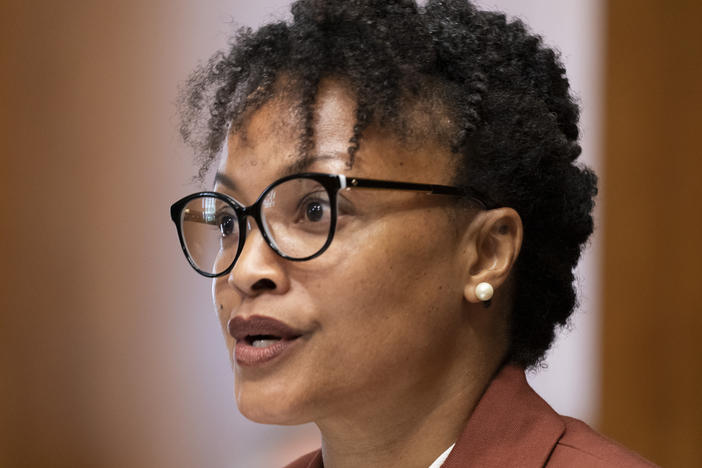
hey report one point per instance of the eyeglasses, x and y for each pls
(297, 216)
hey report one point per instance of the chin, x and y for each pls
(269, 407)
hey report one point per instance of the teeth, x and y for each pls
(263, 343)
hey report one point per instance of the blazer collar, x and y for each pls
(510, 426)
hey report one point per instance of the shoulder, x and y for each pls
(581, 446)
(310, 460)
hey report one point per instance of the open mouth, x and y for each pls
(262, 341)
(260, 331)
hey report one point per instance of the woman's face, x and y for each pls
(381, 312)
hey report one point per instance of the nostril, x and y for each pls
(263, 284)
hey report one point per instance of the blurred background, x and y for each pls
(110, 351)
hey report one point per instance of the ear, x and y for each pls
(493, 248)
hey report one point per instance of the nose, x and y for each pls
(258, 269)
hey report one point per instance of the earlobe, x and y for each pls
(495, 248)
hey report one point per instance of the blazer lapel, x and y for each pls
(510, 426)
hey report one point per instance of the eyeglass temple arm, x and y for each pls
(432, 189)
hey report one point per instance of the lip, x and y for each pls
(243, 330)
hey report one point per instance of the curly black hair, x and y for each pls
(513, 123)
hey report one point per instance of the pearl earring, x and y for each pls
(484, 291)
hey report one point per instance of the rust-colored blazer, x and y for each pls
(512, 426)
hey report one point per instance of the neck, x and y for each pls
(404, 431)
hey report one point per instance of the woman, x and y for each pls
(393, 229)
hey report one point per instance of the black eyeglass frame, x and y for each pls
(332, 184)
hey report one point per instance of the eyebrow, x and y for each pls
(301, 165)
(225, 180)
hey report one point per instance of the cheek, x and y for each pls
(401, 260)
(390, 297)
(224, 302)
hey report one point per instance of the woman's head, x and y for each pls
(380, 315)
(439, 94)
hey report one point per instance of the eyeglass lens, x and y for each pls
(296, 216)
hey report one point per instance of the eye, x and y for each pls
(226, 224)
(314, 210)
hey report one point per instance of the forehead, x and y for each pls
(268, 144)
